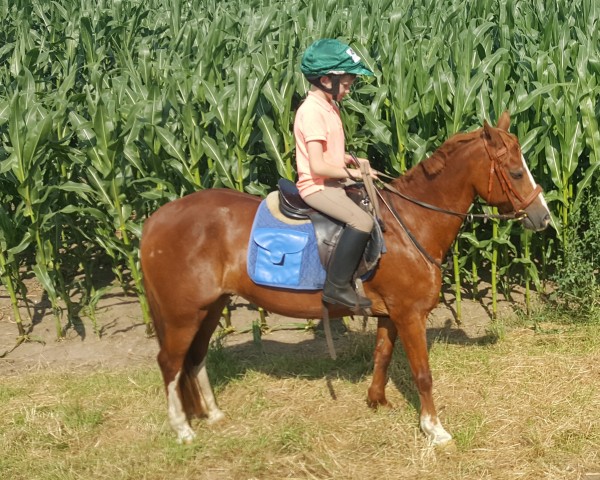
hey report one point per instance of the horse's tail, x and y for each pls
(189, 390)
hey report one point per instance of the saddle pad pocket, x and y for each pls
(279, 255)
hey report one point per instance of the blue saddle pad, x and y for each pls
(283, 255)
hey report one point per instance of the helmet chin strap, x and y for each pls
(335, 85)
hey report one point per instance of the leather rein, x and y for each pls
(519, 205)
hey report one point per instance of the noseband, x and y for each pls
(506, 185)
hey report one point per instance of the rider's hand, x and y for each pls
(372, 173)
(353, 173)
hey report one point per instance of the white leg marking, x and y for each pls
(177, 417)
(206, 395)
(435, 433)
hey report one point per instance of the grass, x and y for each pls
(525, 406)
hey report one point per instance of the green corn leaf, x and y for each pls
(102, 189)
(573, 150)
(93, 212)
(530, 139)
(472, 239)
(218, 102)
(81, 189)
(528, 98)
(272, 141)
(553, 161)
(134, 228)
(41, 273)
(221, 162)
(4, 111)
(104, 128)
(171, 144)
(11, 163)
(239, 100)
(17, 135)
(37, 135)
(23, 245)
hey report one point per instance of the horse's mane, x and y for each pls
(432, 166)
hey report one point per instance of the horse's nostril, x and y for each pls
(546, 221)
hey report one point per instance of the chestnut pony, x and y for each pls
(193, 256)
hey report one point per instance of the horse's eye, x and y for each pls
(517, 174)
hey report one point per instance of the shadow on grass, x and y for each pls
(307, 359)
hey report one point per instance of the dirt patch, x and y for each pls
(122, 340)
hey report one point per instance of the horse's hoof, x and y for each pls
(435, 433)
(377, 404)
(215, 417)
(186, 438)
(448, 447)
(442, 441)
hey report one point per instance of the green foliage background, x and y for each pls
(110, 108)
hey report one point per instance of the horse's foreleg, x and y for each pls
(413, 336)
(386, 338)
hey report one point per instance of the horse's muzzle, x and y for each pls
(536, 221)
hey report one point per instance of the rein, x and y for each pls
(411, 237)
(495, 161)
(469, 217)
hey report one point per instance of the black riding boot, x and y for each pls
(342, 266)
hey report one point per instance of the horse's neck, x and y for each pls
(451, 189)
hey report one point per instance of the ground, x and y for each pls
(524, 407)
(122, 340)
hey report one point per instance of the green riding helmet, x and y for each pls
(331, 57)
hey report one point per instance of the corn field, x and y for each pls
(109, 109)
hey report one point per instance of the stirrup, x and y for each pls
(356, 306)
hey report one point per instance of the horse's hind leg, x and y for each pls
(173, 349)
(197, 358)
(184, 342)
(175, 340)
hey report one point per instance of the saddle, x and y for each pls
(327, 229)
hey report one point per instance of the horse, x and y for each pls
(193, 257)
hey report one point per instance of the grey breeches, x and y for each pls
(334, 202)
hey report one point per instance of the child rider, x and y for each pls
(331, 66)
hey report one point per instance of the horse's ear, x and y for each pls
(504, 120)
(487, 130)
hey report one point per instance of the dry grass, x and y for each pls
(526, 407)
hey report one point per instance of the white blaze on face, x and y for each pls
(533, 184)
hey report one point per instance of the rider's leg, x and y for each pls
(341, 268)
(334, 202)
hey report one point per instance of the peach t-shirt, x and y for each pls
(317, 119)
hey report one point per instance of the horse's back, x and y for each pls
(200, 210)
(194, 240)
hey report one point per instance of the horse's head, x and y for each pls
(510, 185)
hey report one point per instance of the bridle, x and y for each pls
(507, 187)
(496, 169)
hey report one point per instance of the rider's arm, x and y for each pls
(323, 169)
